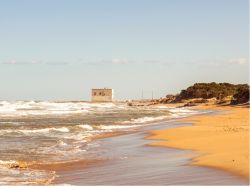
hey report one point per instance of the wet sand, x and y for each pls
(221, 141)
(128, 160)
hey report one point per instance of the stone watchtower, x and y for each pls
(102, 95)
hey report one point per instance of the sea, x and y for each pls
(46, 132)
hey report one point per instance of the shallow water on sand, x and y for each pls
(127, 160)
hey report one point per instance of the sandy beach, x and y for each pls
(221, 140)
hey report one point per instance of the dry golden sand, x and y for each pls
(222, 140)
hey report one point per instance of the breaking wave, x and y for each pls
(25, 108)
(87, 127)
(64, 131)
(28, 131)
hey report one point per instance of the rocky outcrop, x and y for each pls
(242, 96)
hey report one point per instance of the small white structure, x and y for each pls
(102, 95)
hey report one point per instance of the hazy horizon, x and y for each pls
(60, 50)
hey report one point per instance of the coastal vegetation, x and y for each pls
(202, 92)
(242, 96)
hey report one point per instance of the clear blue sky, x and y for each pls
(60, 49)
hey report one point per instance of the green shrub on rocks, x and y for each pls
(220, 91)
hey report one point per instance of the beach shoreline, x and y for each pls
(125, 150)
(130, 159)
(221, 140)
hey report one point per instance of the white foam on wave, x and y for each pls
(182, 110)
(7, 162)
(44, 130)
(163, 107)
(78, 136)
(85, 126)
(110, 127)
(24, 108)
(68, 150)
(11, 123)
(17, 176)
(146, 119)
(103, 105)
(61, 129)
